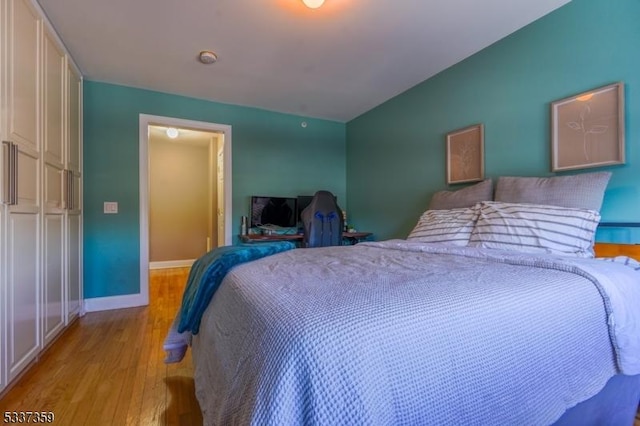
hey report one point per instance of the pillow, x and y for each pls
(535, 228)
(584, 191)
(466, 197)
(451, 227)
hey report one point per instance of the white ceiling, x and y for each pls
(335, 62)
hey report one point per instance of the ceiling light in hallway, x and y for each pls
(313, 4)
(172, 132)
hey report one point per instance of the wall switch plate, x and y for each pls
(111, 207)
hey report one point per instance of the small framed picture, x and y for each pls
(465, 154)
(587, 130)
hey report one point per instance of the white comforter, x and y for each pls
(407, 333)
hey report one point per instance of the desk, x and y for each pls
(257, 238)
(349, 237)
(354, 237)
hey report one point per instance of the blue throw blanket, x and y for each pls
(208, 272)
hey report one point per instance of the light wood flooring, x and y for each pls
(108, 368)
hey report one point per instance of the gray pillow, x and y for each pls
(584, 191)
(462, 198)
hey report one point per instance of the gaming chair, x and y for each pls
(322, 221)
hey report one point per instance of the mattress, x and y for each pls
(408, 333)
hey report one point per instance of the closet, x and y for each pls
(41, 177)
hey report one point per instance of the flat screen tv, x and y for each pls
(279, 211)
(303, 202)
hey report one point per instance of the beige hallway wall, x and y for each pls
(179, 199)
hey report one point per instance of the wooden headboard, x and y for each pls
(612, 250)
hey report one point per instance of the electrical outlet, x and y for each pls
(111, 207)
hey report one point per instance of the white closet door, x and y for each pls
(23, 59)
(23, 290)
(75, 270)
(53, 318)
(53, 308)
(74, 152)
(74, 213)
(3, 177)
(23, 220)
(3, 294)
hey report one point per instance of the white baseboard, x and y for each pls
(114, 302)
(171, 264)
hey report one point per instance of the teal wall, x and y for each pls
(396, 152)
(272, 155)
(388, 162)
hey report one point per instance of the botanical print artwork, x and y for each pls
(465, 155)
(587, 130)
(587, 125)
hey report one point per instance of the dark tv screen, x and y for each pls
(279, 211)
(303, 202)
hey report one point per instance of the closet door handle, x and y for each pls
(67, 195)
(65, 189)
(10, 184)
(14, 200)
(72, 195)
(7, 178)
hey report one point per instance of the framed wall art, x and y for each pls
(465, 154)
(587, 130)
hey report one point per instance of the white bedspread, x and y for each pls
(408, 333)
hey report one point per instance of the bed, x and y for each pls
(468, 330)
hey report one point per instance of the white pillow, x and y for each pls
(535, 228)
(453, 226)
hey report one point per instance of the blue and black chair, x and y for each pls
(322, 221)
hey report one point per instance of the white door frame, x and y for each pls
(156, 120)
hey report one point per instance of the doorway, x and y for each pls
(183, 195)
(215, 140)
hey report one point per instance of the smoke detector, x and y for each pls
(207, 57)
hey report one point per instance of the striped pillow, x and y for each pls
(535, 228)
(453, 226)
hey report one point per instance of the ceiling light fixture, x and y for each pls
(172, 132)
(207, 57)
(313, 4)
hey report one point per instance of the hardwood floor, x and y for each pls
(108, 368)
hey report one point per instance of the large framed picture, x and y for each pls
(465, 154)
(587, 130)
